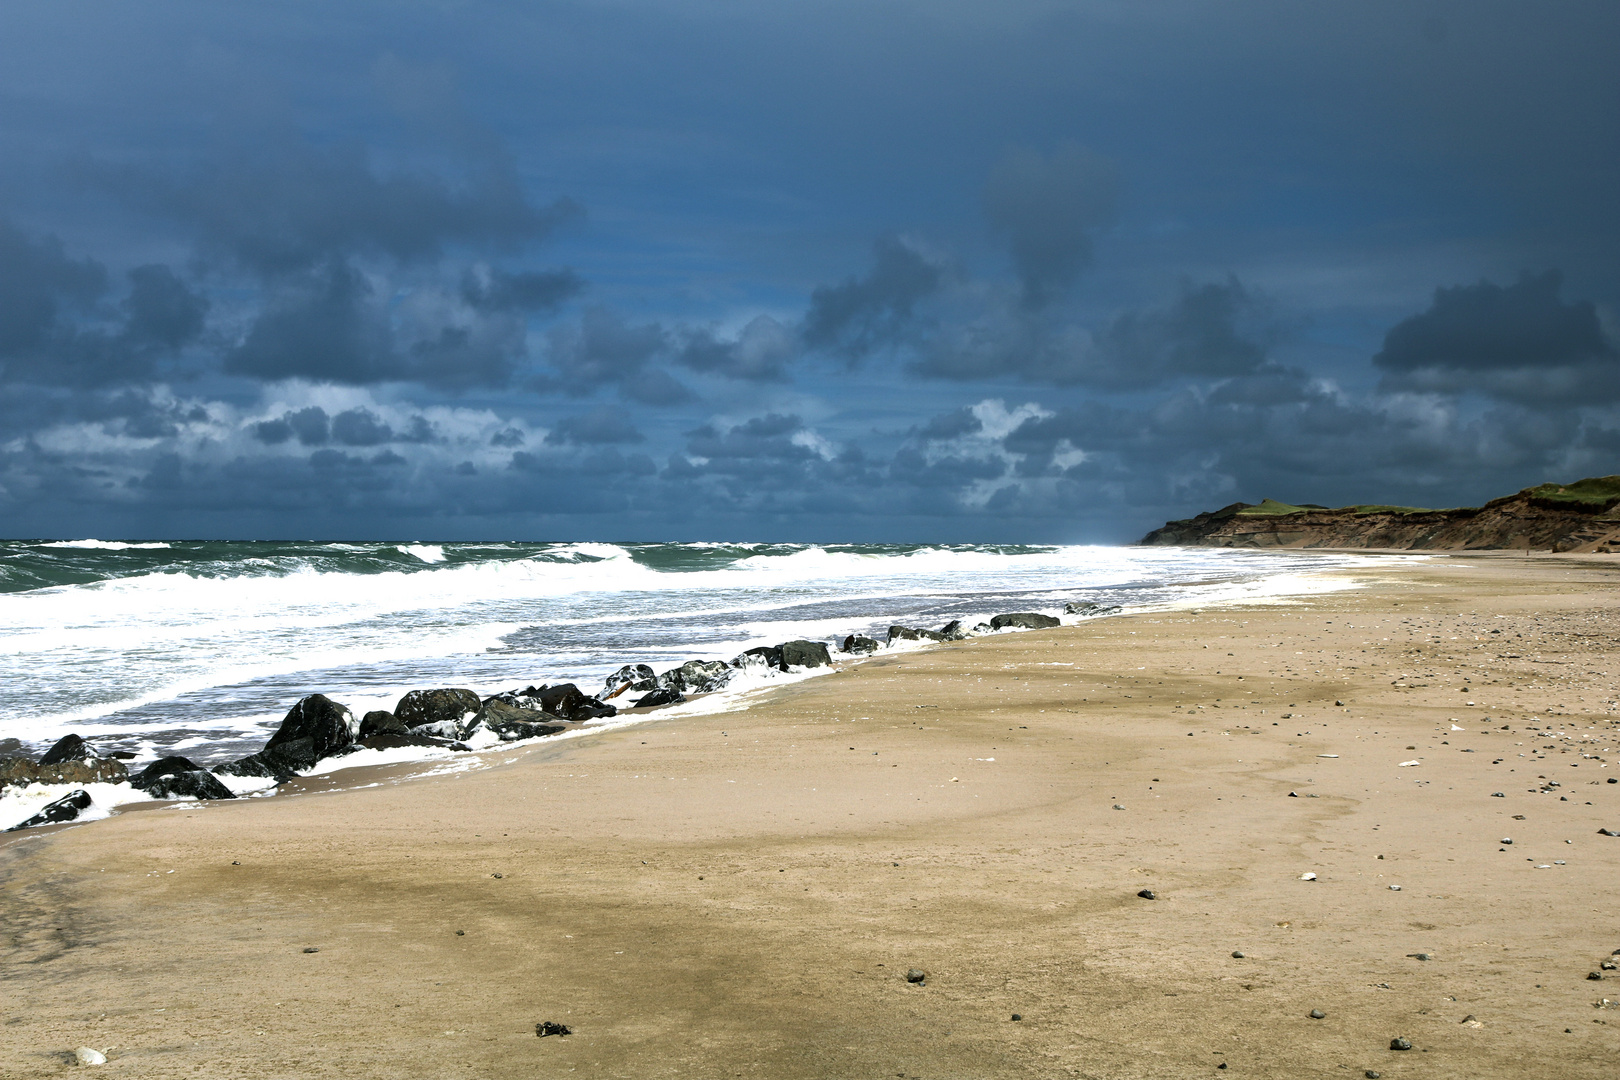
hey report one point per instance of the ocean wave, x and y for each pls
(105, 545)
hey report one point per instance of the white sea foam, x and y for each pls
(428, 553)
(101, 545)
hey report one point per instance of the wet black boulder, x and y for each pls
(66, 808)
(913, 633)
(805, 654)
(67, 748)
(512, 723)
(328, 726)
(664, 695)
(191, 784)
(632, 678)
(1026, 620)
(860, 645)
(160, 768)
(696, 677)
(381, 722)
(447, 711)
(766, 655)
(567, 701)
(280, 762)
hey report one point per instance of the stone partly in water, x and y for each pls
(66, 808)
(195, 784)
(697, 676)
(664, 695)
(327, 725)
(381, 722)
(93, 770)
(17, 769)
(765, 655)
(913, 633)
(806, 654)
(632, 677)
(167, 766)
(567, 701)
(1026, 620)
(280, 762)
(512, 723)
(67, 748)
(953, 631)
(446, 712)
(860, 645)
(1090, 608)
(391, 740)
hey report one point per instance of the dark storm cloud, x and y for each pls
(597, 427)
(950, 425)
(1519, 342)
(287, 206)
(1049, 208)
(863, 314)
(523, 291)
(606, 349)
(162, 311)
(323, 327)
(1209, 331)
(761, 351)
(53, 330)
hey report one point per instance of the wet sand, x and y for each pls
(741, 895)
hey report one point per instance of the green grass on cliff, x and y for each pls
(1595, 491)
(1273, 508)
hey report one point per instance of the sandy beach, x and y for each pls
(743, 894)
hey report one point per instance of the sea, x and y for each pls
(200, 647)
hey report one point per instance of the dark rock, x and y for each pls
(952, 631)
(381, 722)
(389, 740)
(1608, 832)
(1028, 620)
(768, 655)
(916, 977)
(860, 645)
(1372, 1074)
(312, 949)
(327, 725)
(913, 633)
(196, 784)
(280, 762)
(67, 748)
(631, 677)
(549, 1027)
(1148, 894)
(1318, 1014)
(66, 808)
(696, 677)
(662, 696)
(1237, 956)
(448, 712)
(1594, 976)
(167, 766)
(567, 701)
(1089, 608)
(1017, 1016)
(92, 770)
(1420, 956)
(806, 654)
(1400, 1044)
(11, 748)
(512, 723)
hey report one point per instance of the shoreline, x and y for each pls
(747, 682)
(743, 893)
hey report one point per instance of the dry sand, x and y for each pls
(741, 895)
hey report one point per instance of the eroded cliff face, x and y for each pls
(1584, 516)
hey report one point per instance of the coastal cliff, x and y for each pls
(1583, 516)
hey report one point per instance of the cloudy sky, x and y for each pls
(949, 270)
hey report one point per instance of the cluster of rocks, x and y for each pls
(318, 728)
